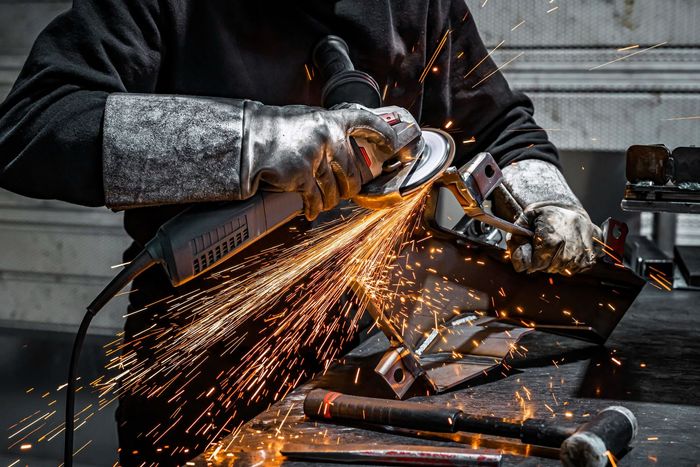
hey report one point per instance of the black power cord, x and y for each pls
(142, 262)
(172, 245)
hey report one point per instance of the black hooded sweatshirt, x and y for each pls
(51, 122)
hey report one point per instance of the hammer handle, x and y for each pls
(330, 405)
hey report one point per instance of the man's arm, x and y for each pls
(502, 123)
(51, 122)
(84, 124)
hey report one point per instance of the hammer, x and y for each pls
(607, 433)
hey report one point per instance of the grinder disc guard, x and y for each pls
(433, 154)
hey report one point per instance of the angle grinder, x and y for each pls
(205, 235)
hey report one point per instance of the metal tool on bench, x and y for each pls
(587, 445)
(661, 180)
(392, 454)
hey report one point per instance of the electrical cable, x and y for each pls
(142, 262)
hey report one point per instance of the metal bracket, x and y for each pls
(400, 368)
(471, 185)
(614, 236)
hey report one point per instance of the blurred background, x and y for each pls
(56, 256)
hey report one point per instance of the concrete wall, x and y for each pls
(56, 257)
(593, 113)
(614, 106)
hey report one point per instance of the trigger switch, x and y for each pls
(392, 118)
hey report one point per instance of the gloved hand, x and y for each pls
(162, 149)
(541, 200)
(307, 149)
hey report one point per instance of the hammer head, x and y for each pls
(608, 433)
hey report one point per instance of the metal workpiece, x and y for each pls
(471, 185)
(437, 347)
(614, 234)
(472, 308)
(400, 368)
(569, 305)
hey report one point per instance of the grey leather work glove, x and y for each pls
(538, 197)
(308, 150)
(161, 149)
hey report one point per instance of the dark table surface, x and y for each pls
(650, 364)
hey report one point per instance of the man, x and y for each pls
(149, 105)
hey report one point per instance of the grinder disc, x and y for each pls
(436, 157)
(435, 154)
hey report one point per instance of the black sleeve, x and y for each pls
(484, 107)
(50, 124)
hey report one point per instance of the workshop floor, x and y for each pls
(39, 360)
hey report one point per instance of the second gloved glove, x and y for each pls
(539, 198)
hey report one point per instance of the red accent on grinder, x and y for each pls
(365, 156)
(327, 401)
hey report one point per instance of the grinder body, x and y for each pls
(205, 235)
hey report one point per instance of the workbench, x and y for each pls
(650, 365)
